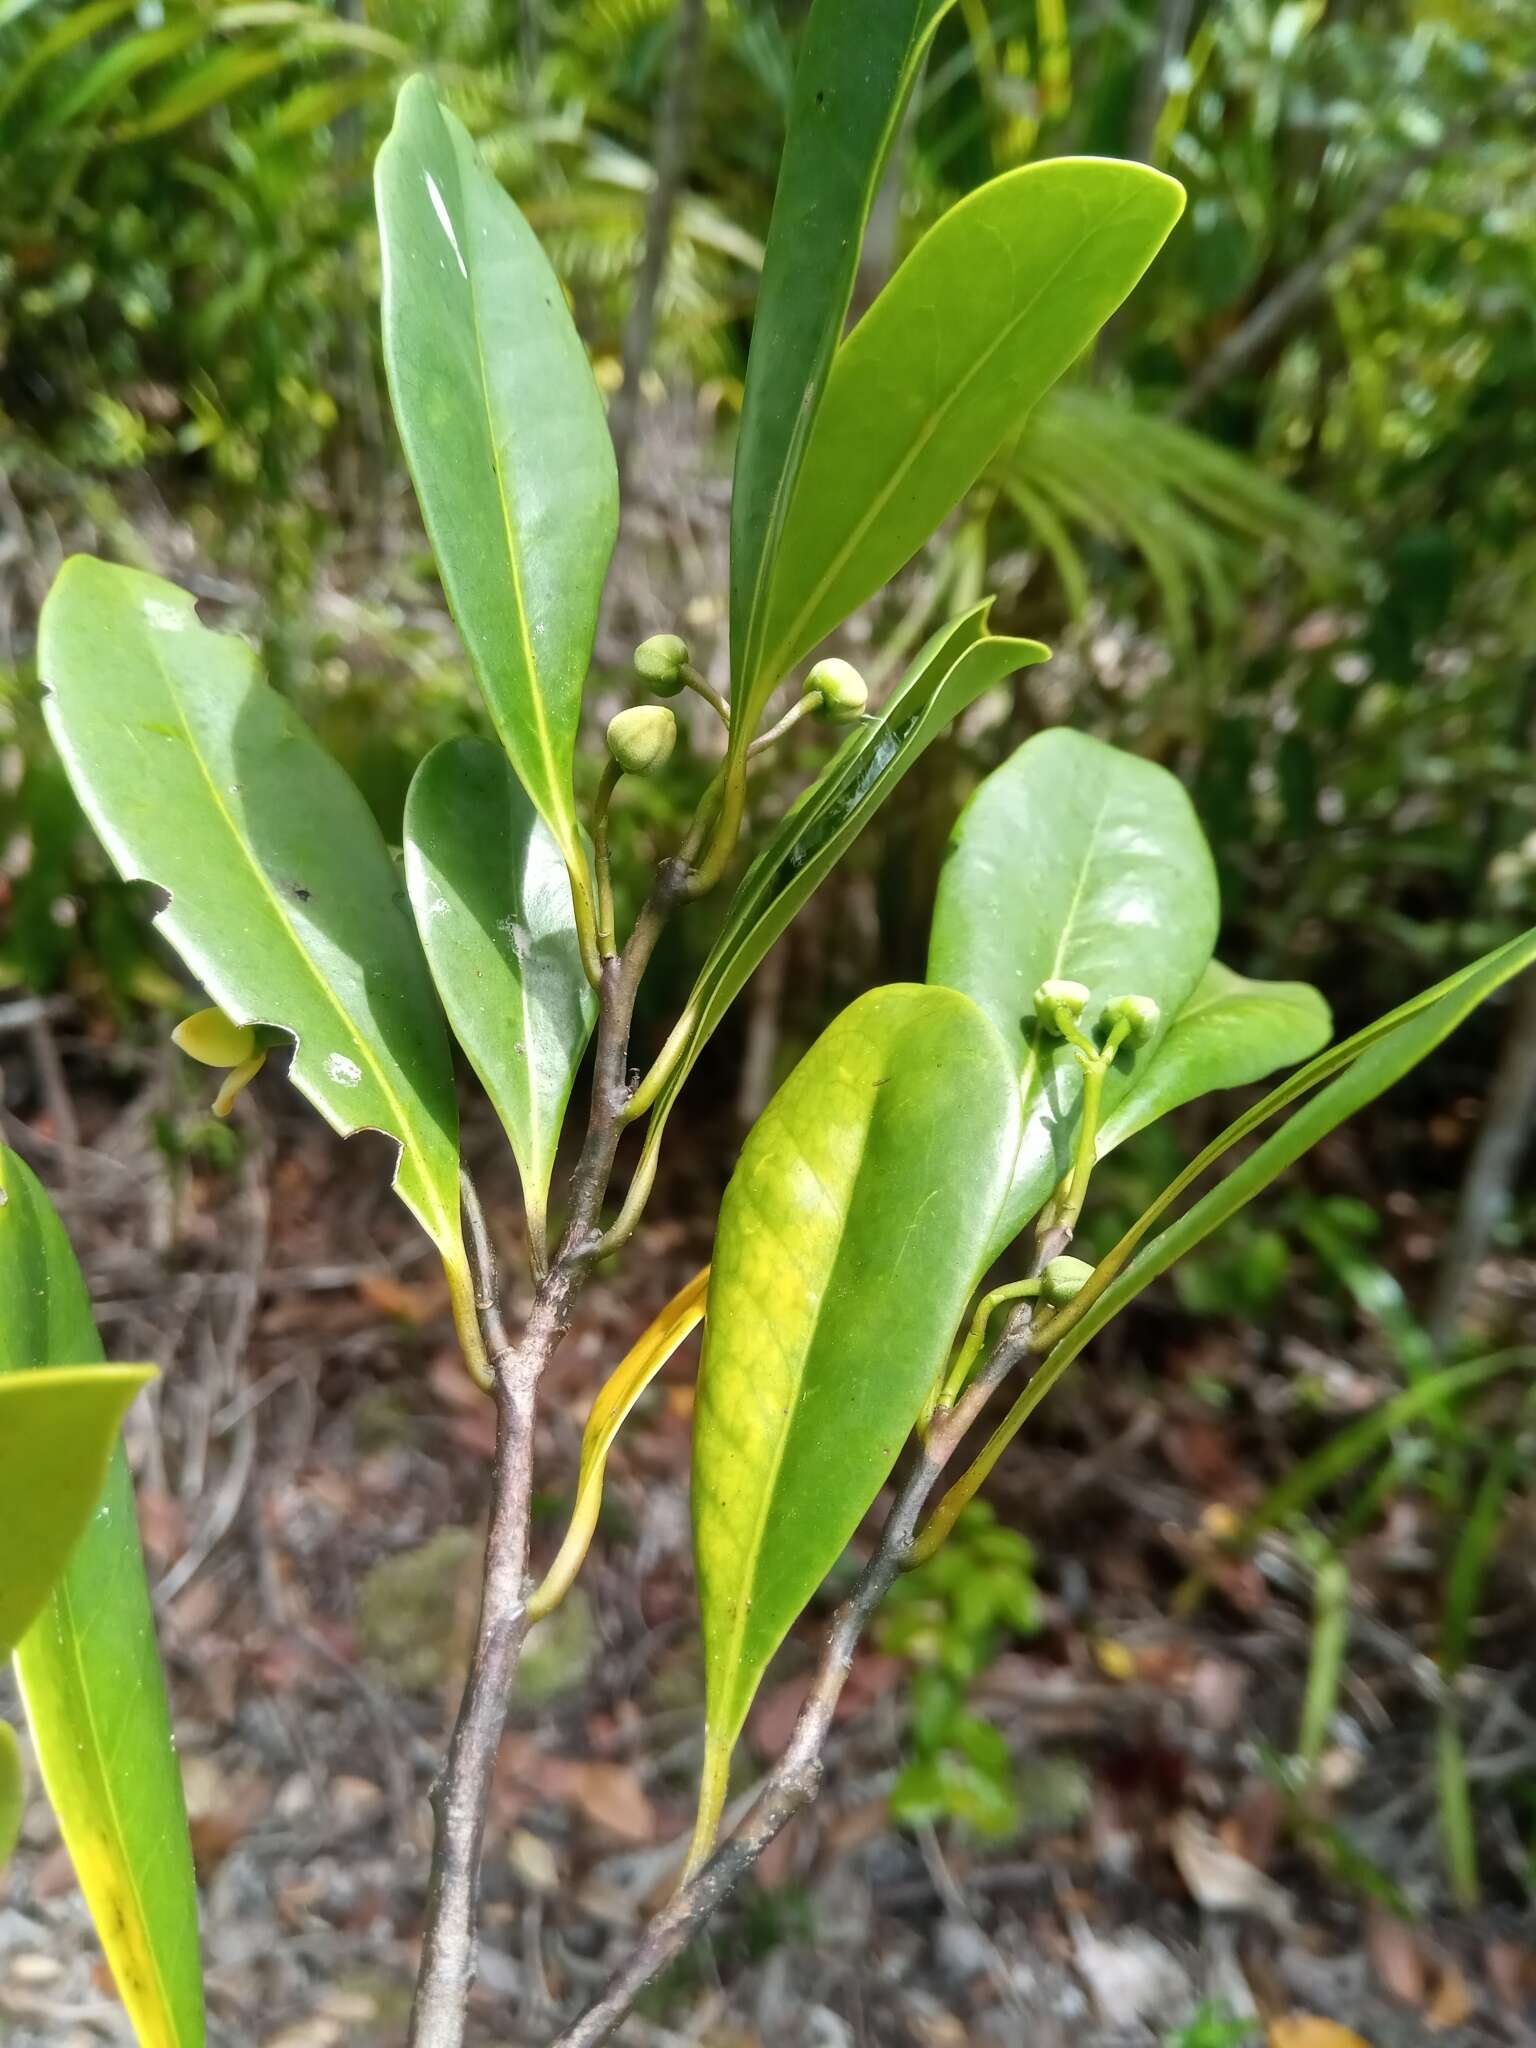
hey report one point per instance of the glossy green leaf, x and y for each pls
(90, 1675)
(848, 1245)
(1231, 1031)
(13, 1792)
(957, 664)
(858, 60)
(493, 907)
(1072, 861)
(506, 439)
(1346, 1078)
(995, 302)
(58, 1429)
(284, 900)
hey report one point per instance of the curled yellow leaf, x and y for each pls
(681, 1316)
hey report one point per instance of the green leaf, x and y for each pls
(858, 60)
(1355, 1073)
(493, 907)
(284, 900)
(58, 1429)
(13, 1792)
(1230, 1032)
(958, 663)
(1072, 861)
(506, 439)
(996, 301)
(90, 1676)
(848, 1244)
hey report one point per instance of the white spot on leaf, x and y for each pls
(441, 210)
(344, 1072)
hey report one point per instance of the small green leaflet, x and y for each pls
(493, 907)
(849, 1241)
(1230, 1032)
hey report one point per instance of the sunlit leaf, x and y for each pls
(12, 1792)
(506, 439)
(848, 1245)
(90, 1675)
(995, 302)
(1072, 861)
(285, 903)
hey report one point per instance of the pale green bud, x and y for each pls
(1139, 1014)
(843, 691)
(660, 661)
(1054, 996)
(1064, 1278)
(641, 739)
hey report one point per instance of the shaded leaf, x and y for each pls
(1230, 1032)
(58, 1429)
(493, 907)
(506, 439)
(858, 60)
(284, 900)
(1071, 861)
(955, 666)
(997, 300)
(90, 1675)
(13, 1792)
(848, 1244)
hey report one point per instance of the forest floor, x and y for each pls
(310, 1478)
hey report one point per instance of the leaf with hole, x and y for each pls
(506, 439)
(89, 1672)
(850, 1239)
(493, 907)
(1072, 861)
(992, 306)
(284, 901)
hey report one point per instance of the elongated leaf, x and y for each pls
(1355, 1073)
(493, 907)
(284, 901)
(1230, 1032)
(1072, 861)
(506, 440)
(90, 1676)
(849, 1241)
(858, 60)
(958, 663)
(996, 301)
(621, 1390)
(58, 1429)
(12, 1792)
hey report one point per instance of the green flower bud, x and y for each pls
(1053, 996)
(641, 739)
(843, 691)
(1139, 1014)
(1063, 1278)
(660, 661)
(214, 1040)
